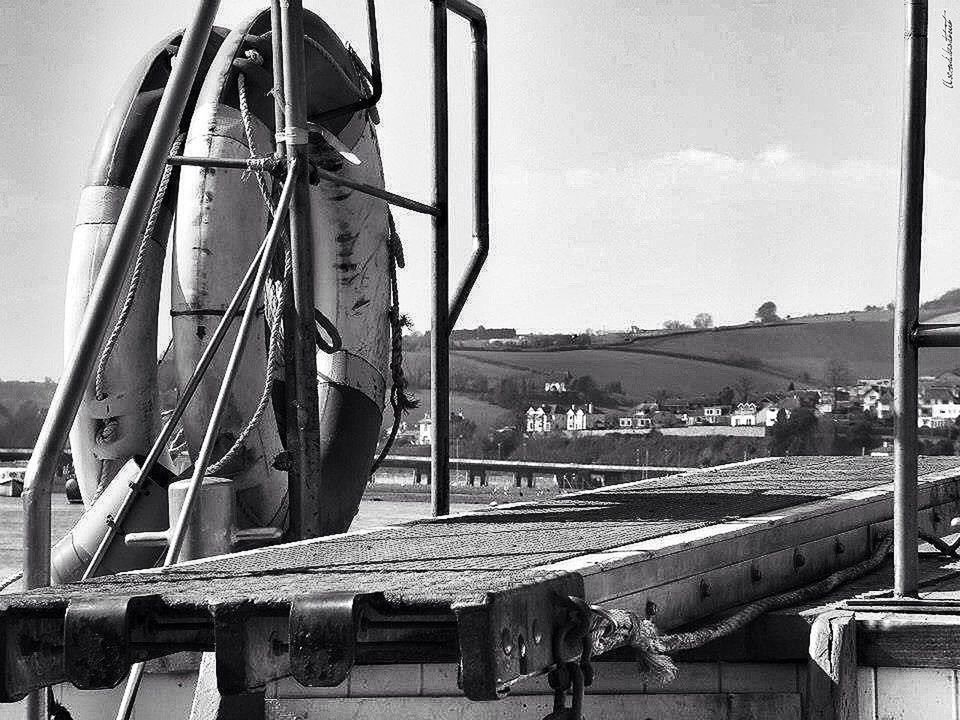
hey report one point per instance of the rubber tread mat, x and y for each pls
(435, 561)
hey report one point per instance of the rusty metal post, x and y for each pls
(440, 326)
(303, 415)
(906, 317)
(63, 408)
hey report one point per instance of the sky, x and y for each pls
(650, 160)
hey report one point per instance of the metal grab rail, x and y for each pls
(66, 401)
(445, 313)
(908, 334)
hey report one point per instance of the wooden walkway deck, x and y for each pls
(486, 588)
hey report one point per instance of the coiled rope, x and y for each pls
(8, 581)
(617, 628)
(401, 401)
(136, 276)
(274, 362)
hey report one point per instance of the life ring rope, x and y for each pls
(135, 277)
(274, 362)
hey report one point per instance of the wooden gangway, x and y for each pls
(488, 588)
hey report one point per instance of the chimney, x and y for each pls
(590, 409)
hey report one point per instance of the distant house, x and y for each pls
(625, 422)
(545, 418)
(713, 413)
(744, 415)
(423, 430)
(869, 396)
(580, 418)
(939, 407)
(884, 406)
(557, 387)
(825, 403)
(767, 415)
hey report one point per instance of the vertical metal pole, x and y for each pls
(905, 559)
(276, 46)
(96, 320)
(439, 328)
(305, 482)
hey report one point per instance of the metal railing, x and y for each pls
(303, 416)
(909, 334)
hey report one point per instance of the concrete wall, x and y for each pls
(162, 697)
(909, 693)
(703, 691)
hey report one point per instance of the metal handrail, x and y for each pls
(446, 312)
(38, 481)
(906, 316)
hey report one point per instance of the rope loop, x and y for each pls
(325, 325)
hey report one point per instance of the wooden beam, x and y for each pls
(831, 690)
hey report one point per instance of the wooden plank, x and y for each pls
(908, 640)
(832, 692)
(682, 601)
(629, 573)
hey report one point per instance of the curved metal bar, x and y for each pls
(481, 143)
(376, 79)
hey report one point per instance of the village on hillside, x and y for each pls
(722, 414)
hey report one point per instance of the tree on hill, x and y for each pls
(950, 299)
(794, 435)
(726, 395)
(838, 373)
(675, 325)
(703, 321)
(767, 312)
(744, 387)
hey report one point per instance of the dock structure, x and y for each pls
(525, 472)
(493, 591)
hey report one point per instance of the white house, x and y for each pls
(744, 415)
(884, 407)
(557, 387)
(545, 418)
(713, 413)
(579, 418)
(767, 415)
(869, 397)
(939, 407)
(423, 430)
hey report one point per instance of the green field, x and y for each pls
(642, 375)
(804, 350)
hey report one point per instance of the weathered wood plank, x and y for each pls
(832, 692)
(908, 640)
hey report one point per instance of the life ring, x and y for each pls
(119, 415)
(221, 220)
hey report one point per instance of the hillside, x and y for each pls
(642, 375)
(803, 350)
